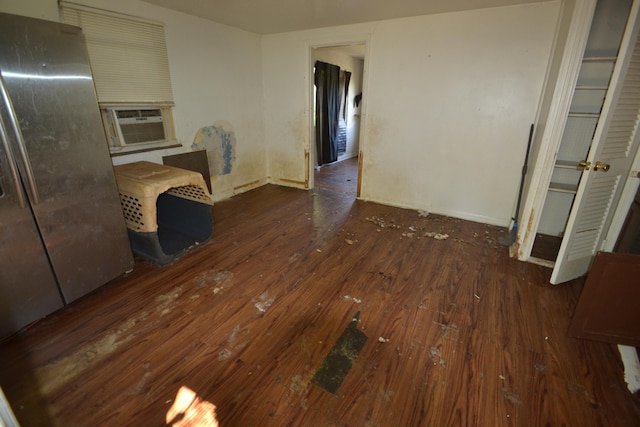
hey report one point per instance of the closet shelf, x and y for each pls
(585, 115)
(563, 188)
(599, 59)
(586, 87)
(567, 164)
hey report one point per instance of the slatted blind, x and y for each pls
(128, 55)
(593, 215)
(617, 142)
(624, 123)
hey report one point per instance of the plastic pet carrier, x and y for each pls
(167, 209)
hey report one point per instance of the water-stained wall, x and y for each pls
(449, 101)
(219, 142)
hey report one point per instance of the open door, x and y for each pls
(608, 306)
(608, 163)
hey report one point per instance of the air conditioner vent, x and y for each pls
(130, 114)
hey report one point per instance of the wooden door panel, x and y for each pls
(608, 307)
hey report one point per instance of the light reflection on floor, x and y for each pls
(188, 410)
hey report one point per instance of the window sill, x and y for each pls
(125, 151)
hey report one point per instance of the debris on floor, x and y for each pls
(381, 339)
(298, 385)
(448, 330)
(540, 367)
(436, 236)
(353, 299)
(381, 222)
(212, 277)
(436, 357)
(413, 231)
(437, 227)
(263, 304)
(224, 354)
(512, 397)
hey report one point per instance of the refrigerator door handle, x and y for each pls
(21, 145)
(12, 165)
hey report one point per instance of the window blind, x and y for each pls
(128, 55)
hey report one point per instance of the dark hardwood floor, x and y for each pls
(340, 177)
(546, 247)
(458, 333)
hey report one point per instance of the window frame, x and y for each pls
(130, 69)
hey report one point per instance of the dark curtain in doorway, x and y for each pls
(328, 97)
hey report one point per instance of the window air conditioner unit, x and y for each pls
(129, 126)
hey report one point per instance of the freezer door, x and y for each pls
(57, 135)
(28, 290)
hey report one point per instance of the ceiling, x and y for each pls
(279, 16)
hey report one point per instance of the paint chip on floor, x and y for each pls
(224, 354)
(262, 306)
(437, 236)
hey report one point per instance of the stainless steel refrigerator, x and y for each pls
(62, 230)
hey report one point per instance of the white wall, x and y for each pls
(337, 56)
(216, 76)
(448, 101)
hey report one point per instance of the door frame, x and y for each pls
(309, 155)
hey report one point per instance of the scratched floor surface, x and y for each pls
(457, 332)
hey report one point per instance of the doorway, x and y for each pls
(341, 170)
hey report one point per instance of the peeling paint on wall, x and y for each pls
(220, 143)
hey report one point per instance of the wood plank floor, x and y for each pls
(340, 177)
(470, 336)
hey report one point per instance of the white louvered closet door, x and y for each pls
(614, 144)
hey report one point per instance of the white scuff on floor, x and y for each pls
(350, 298)
(631, 367)
(264, 302)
